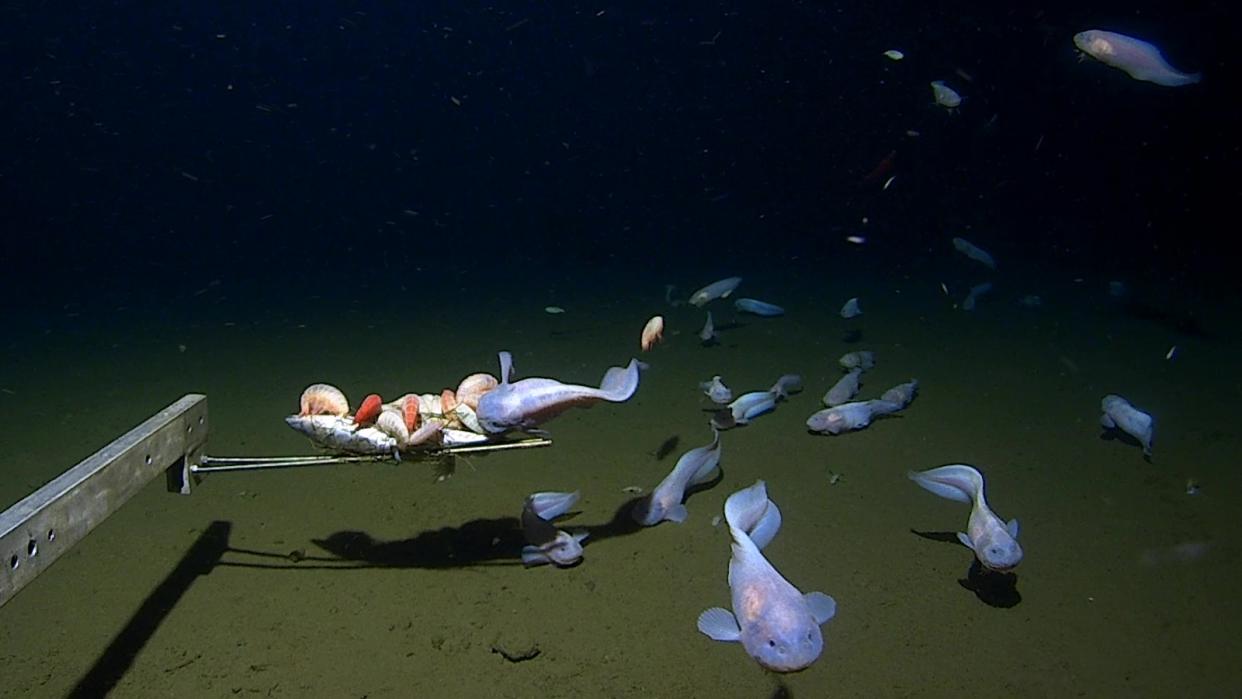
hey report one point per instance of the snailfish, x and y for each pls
(698, 465)
(528, 403)
(776, 624)
(1119, 414)
(716, 390)
(716, 290)
(994, 542)
(1137, 58)
(546, 543)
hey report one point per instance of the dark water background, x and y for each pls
(241, 199)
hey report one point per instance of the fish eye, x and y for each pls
(771, 643)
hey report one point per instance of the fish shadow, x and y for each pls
(1112, 434)
(667, 446)
(943, 537)
(993, 588)
(478, 542)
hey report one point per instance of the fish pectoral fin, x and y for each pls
(534, 556)
(676, 513)
(1012, 527)
(965, 539)
(719, 624)
(823, 607)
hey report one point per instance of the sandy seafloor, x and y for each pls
(1106, 608)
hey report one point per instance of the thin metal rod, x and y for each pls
(503, 446)
(223, 464)
(222, 460)
(235, 463)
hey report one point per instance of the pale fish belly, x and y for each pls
(339, 434)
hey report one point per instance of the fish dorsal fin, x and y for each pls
(506, 366)
(746, 510)
(766, 528)
(958, 482)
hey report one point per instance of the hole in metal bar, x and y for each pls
(148, 459)
(51, 535)
(32, 548)
(14, 562)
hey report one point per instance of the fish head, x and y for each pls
(999, 552)
(496, 411)
(782, 636)
(825, 421)
(1093, 42)
(566, 549)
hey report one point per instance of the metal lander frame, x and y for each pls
(41, 527)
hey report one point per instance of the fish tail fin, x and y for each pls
(619, 383)
(751, 513)
(549, 505)
(958, 482)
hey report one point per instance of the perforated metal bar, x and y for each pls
(35, 531)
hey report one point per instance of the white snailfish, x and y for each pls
(994, 542)
(1137, 58)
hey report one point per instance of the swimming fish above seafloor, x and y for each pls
(776, 624)
(716, 390)
(716, 290)
(546, 543)
(1119, 414)
(708, 334)
(995, 542)
(859, 359)
(759, 308)
(527, 403)
(749, 406)
(945, 96)
(849, 416)
(974, 252)
(785, 385)
(901, 394)
(844, 389)
(1137, 58)
(696, 466)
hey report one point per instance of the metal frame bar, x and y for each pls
(41, 527)
(38, 529)
(225, 464)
